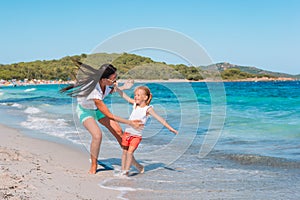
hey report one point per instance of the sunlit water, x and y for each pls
(255, 125)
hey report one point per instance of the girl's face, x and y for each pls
(140, 96)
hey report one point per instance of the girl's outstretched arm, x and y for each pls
(127, 85)
(161, 120)
(124, 95)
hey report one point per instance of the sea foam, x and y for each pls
(32, 110)
(30, 89)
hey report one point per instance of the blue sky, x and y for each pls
(260, 33)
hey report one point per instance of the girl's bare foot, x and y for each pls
(124, 172)
(141, 169)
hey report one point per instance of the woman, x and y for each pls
(90, 92)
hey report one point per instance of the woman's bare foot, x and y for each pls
(93, 169)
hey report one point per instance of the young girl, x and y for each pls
(141, 110)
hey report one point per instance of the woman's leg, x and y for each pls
(116, 130)
(113, 127)
(93, 128)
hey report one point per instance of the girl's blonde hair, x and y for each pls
(147, 93)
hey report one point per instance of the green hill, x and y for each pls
(130, 66)
(250, 70)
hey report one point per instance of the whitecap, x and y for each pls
(32, 110)
(43, 123)
(11, 104)
(30, 89)
(16, 105)
(54, 127)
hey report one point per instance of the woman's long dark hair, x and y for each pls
(84, 86)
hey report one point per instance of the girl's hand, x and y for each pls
(137, 124)
(128, 84)
(174, 131)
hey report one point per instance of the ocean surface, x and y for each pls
(237, 140)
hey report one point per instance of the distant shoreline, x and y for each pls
(53, 82)
(211, 80)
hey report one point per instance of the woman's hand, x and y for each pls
(137, 124)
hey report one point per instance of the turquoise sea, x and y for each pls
(237, 140)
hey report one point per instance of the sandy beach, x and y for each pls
(38, 169)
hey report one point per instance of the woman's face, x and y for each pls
(111, 79)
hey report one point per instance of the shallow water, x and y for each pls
(250, 131)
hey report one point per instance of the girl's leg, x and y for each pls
(129, 157)
(93, 128)
(124, 157)
(116, 130)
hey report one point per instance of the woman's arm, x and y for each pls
(103, 108)
(125, 96)
(161, 120)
